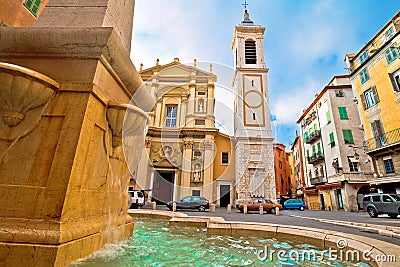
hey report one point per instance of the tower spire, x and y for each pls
(246, 16)
(245, 5)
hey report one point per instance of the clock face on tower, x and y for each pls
(253, 101)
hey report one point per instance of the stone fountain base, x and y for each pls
(63, 181)
(30, 254)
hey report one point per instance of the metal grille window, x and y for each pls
(391, 54)
(170, 119)
(250, 51)
(343, 113)
(364, 76)
(389, 168)
(33, 6)
(225, 158)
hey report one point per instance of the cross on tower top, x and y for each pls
(245, 4)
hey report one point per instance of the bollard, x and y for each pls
(212, 208)
(154, 204)
(261, 210)
(229, 209)
(174, 207)
(245, 209)
(277, 211)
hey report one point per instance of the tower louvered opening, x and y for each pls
(250, 52)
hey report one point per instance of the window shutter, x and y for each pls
(375, 129)
(343, 113)
(28, 3)
(319, 148)
(36, 6)
(350, 135)
(389, 57)
(394, 85)
(328, 117)
(375, 93)
(331, 138)
(363, 101)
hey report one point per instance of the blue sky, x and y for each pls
(305, 42)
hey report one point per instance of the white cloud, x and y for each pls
(168, 29)
(289, 106)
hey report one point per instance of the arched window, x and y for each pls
(250, 51)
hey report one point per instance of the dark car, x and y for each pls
(376, 204)
(192, 202)
(294, 203)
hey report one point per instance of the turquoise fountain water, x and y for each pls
(155, 244)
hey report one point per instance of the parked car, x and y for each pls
(191, 202)
(267, 205)
(376, 204)
(136, 199)
(294, 203)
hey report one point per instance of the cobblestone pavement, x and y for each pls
(287, 217)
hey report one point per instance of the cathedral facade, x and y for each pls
(185, 153)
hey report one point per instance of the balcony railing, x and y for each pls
(389, 138)
(315, 158)
(313, 136)
(318, 180)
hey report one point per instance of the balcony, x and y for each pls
(313, 136)
(385, 140)
(315, 158)
(318, 180)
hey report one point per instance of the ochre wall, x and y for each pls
(14, 13)
(222, 171)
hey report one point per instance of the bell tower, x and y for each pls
(255, 176)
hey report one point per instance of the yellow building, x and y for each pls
(186, 153)
(375, 77)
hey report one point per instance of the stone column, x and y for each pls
(186, 166)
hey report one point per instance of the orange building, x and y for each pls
(20, 13)
(298, 166)
(282, 171)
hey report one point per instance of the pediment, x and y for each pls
(172, 90)
(175, 69)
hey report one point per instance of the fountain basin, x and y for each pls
(160, 242)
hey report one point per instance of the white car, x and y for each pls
(136, 199)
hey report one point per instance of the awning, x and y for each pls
(359, 183)
(329, 185)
